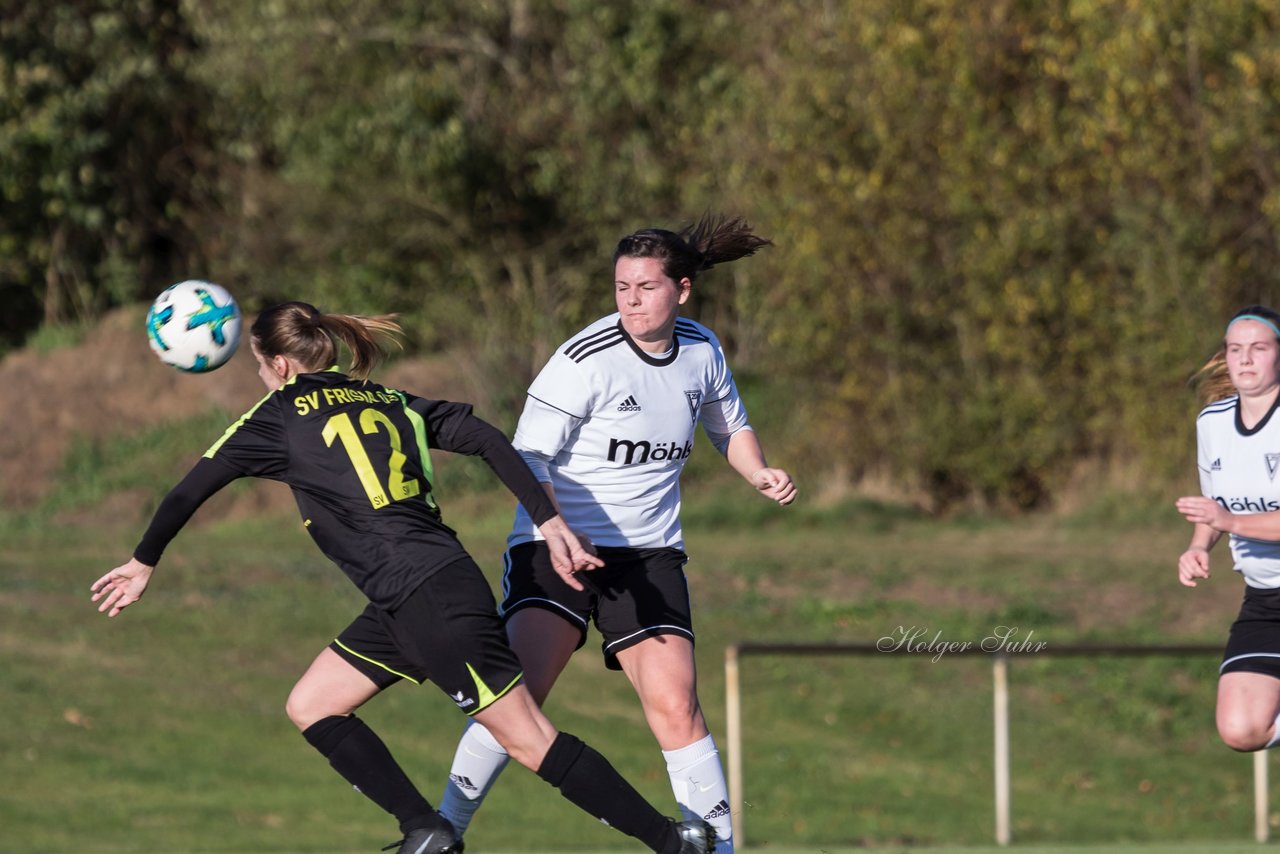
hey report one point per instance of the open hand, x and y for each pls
(570, 553)
(122, 586)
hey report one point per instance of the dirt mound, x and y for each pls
(111, 383)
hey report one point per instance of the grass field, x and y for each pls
(163, 730)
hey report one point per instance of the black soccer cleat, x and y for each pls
(442, 839)
(696, 836)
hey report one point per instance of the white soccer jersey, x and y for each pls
(1238, 469)
(616, 425)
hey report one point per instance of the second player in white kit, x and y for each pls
(611, 426)
(1238, 456)
(607, 428)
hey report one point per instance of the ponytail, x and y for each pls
(365, 337)
(1212, 382)
(719, 240)
(300, 331)
(713, 239)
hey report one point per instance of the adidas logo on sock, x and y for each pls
(629, 405)
(463, 783)
(720, 811)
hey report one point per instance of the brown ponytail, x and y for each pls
(300, 331)
(713, 239)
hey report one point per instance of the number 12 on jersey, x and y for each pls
(341, 427)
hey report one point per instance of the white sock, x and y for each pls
(700, 789)
(1275, 737)
(476, 765)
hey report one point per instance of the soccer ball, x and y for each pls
(194, 326)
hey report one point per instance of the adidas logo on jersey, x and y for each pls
(629, 405)
(719, 811)
(463, 782)
(1217, 465)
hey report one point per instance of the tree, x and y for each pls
(467, 164)
(108, 164)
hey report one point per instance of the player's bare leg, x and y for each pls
(322, 705)
(663, 671)
(544, 643)
(1248, 706)
(330, 686)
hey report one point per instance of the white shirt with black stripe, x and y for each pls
(1240, 469)
(611, 427)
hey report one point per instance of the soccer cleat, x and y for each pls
(696, 837)
(441, 839)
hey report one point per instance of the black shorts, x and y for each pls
(637, 594)
(1254, 643)
(447, 631)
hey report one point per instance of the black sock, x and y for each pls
(587, 780)
(356, 752)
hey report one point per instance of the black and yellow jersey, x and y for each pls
(356, 455)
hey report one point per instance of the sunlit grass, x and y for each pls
(163, 730)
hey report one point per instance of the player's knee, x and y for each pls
(305, 707)
(525, 735)
(1240, 733)
(679, 705)
(296, 708)
(1242, 740)
(529, 748)
(675, 716)
(517, 723)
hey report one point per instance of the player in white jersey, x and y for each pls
(608, 422)
(1238, 438)
(607, 427)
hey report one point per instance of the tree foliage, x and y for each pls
(1005, 233)
(107, 163)
(1016, 228)
(468, 164)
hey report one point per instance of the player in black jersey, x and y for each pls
(355, 455)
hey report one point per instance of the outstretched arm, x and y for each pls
(477, 437)
(747, 458)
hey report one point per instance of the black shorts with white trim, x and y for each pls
(1254, 643)
(637, 594)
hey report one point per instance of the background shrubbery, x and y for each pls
(1005, 232)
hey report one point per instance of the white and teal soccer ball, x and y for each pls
(194, 326)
